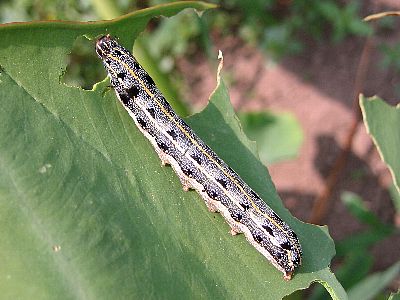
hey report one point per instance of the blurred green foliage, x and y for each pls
(277, 27)
(353, 261)
(390, 51)
(26, 10)
(278, 135)
(391, 56)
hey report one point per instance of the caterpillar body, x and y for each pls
(197, 166)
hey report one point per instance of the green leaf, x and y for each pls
(360, 241)
(87, 211)
(383, 122)
(353, 268)
(357, 208)
(373, 284)
(278, 136)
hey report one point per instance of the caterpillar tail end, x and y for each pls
(288, 275)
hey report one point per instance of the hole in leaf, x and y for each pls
(84, 68)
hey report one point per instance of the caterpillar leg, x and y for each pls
(235, 229)
(233, 232)
(163, 157)
(186, 185)
(211, 207)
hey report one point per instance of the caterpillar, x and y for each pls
(196, 164)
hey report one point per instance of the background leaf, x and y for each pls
(353, 253)
(356, 206)
(268, 130)
(373, 284)
(383, 122)
(87, 206)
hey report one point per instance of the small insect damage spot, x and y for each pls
(83, 69)
(43, 169)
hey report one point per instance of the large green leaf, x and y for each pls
(87, 211)
(383, 122)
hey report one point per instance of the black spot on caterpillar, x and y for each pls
(133, 91)
(196, 158)
(152, 112)
(148, 79)
(172, 134)
(121, 75)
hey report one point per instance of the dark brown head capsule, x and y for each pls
(104, 46)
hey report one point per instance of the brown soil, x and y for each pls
(318, 87)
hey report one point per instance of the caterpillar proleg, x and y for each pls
(197, 166)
